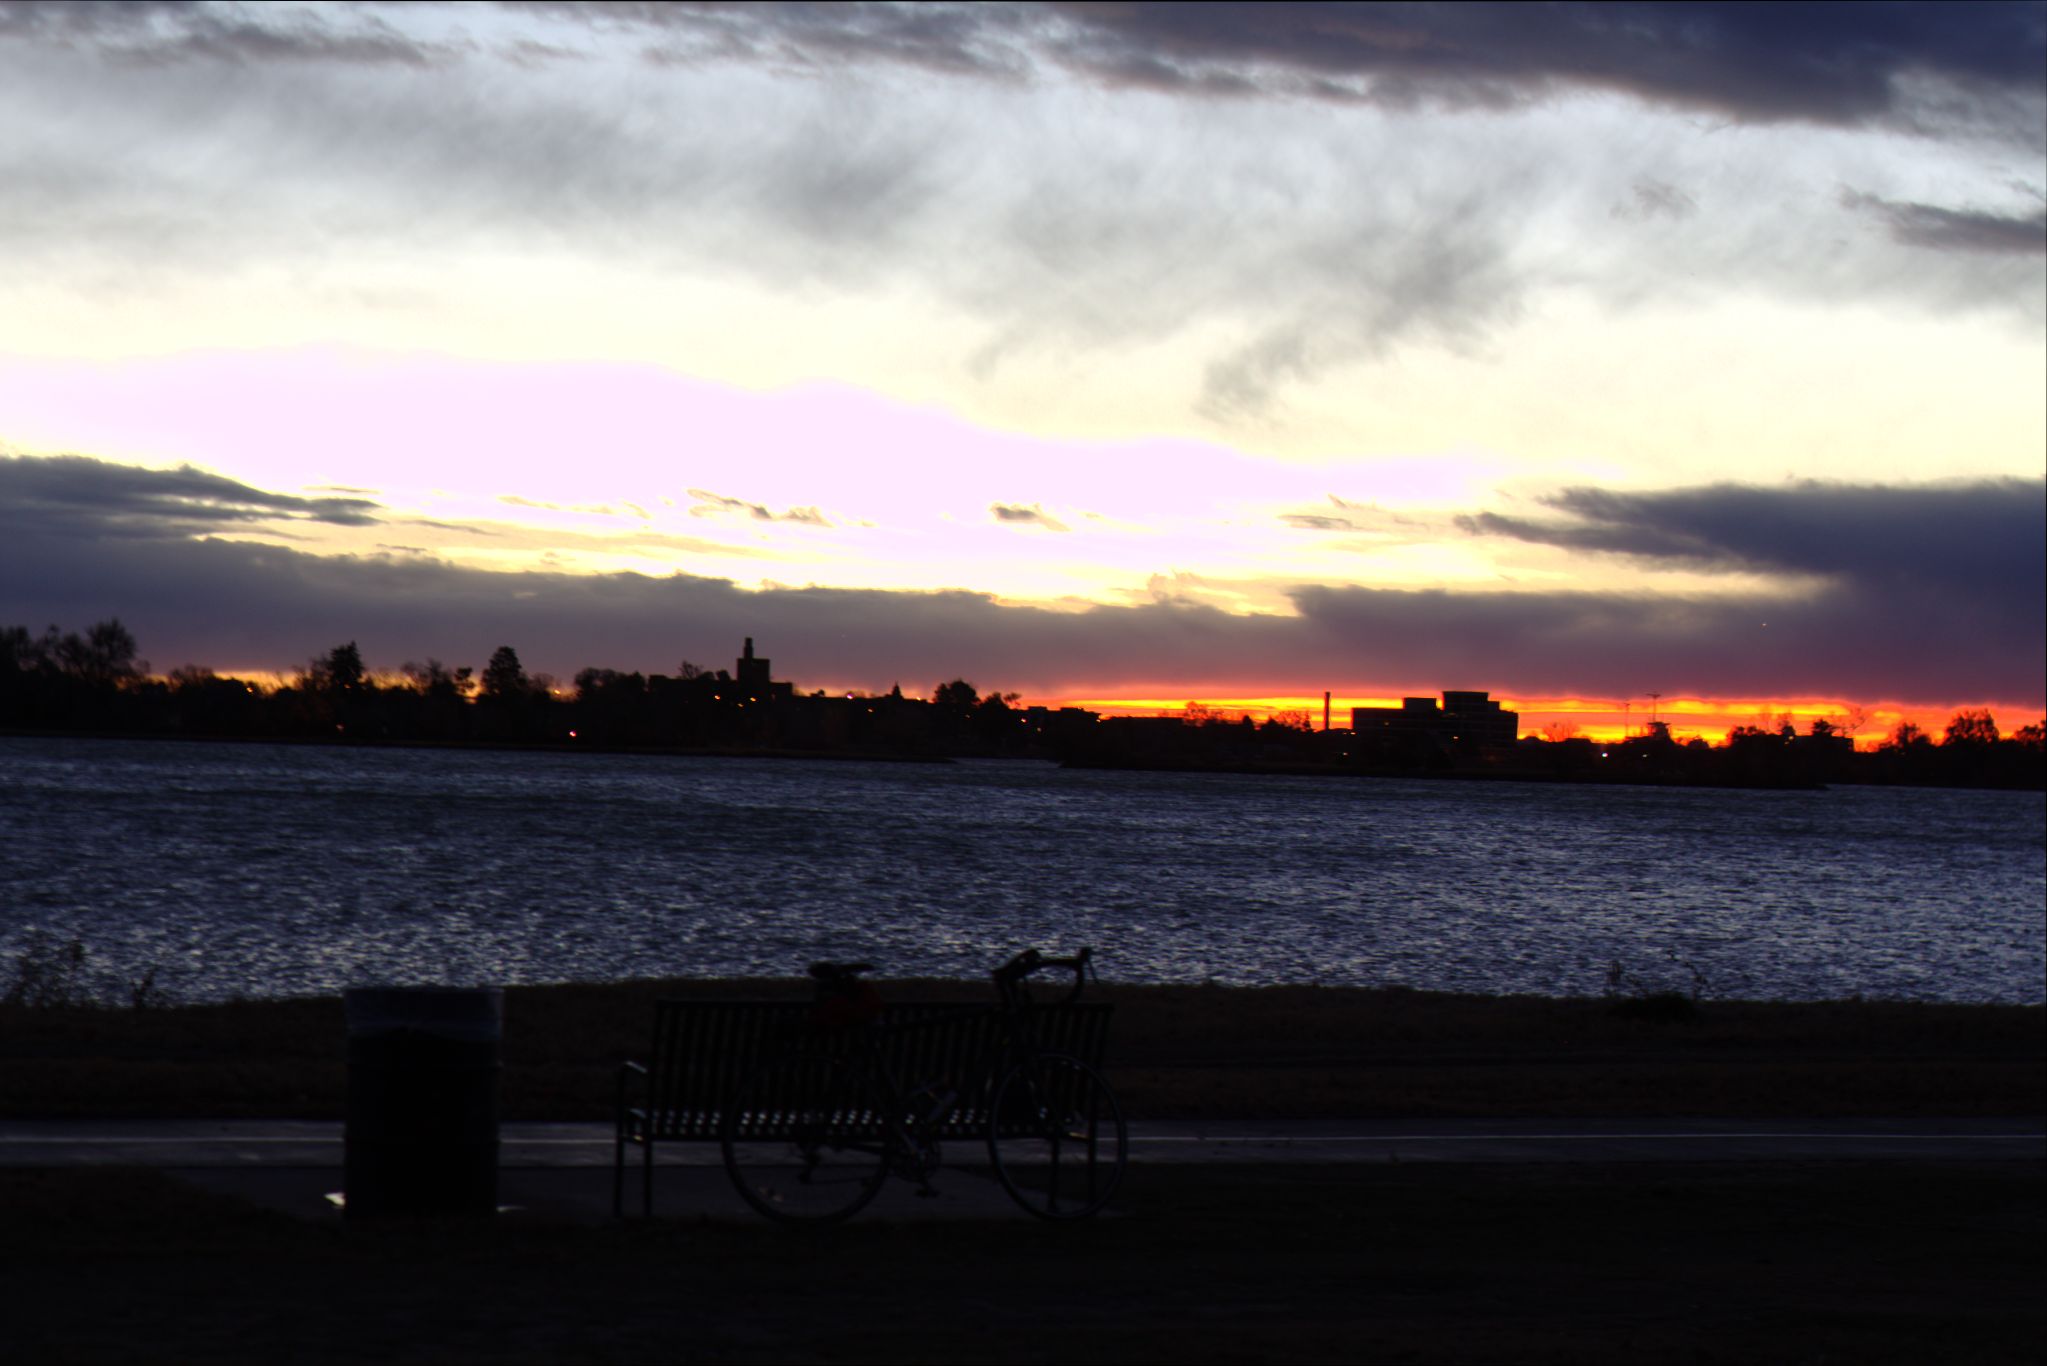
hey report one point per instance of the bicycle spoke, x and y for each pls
(801, 1141)
(1057, 1138)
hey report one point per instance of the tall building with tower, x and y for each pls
(751, 672)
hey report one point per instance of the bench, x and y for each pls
(703, 1049)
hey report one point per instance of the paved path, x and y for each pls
(562, 1172)
(318, 1143)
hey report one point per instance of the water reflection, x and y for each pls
(271, 870)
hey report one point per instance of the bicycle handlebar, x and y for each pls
(1011, 975)
(841, 979)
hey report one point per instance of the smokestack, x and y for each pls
(1325, 711)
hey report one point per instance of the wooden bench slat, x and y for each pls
(703, 1050)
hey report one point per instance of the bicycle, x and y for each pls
(810, 1137)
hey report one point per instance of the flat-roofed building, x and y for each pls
(1463, 718)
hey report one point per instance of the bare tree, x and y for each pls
(1970, 728)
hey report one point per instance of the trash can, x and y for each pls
(421, 1135)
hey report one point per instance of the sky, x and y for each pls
(1098, 352)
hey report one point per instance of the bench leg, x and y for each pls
(647, 1182)
(618, 1173)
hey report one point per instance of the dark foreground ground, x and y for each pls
(1630, 1263)
(1796, 1263)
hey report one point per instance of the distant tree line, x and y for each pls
(95, 682)
(1970, 753)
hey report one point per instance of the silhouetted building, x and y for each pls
(1064, 726)
(1464, 718)
(751, 674)
(752, 682)
(1145, 735)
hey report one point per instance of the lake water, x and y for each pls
(264, 870)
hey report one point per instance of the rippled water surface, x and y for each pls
(279, 870)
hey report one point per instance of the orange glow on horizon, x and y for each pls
(1603, 719)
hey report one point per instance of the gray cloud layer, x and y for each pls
(158, 31)
(1923, 594)
(1929, 225)
(342, 137)
(1981, 541)
(1823, 63)
(1832, 64)
(1900, 574)
(78, 495)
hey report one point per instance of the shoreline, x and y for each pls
(1581, 779)
(1586, 778)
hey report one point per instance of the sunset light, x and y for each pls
(1558, 717)
(1589, 386)
(1426, 623)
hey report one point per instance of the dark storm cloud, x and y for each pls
(1910, 594)
(1838, 64)
(1824, 63)
(1017, 514)
(83, 496)
(1983, 541)
(1838, 643)
(1928, 225)
(1911, 590)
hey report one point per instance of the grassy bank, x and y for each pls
(1175, 1052)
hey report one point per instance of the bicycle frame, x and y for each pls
(861, 1119)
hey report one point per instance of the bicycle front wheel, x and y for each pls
(803, 1140)
(1057, 1137)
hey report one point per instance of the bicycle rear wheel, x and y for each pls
(1057, 1137)
(804, 1141)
